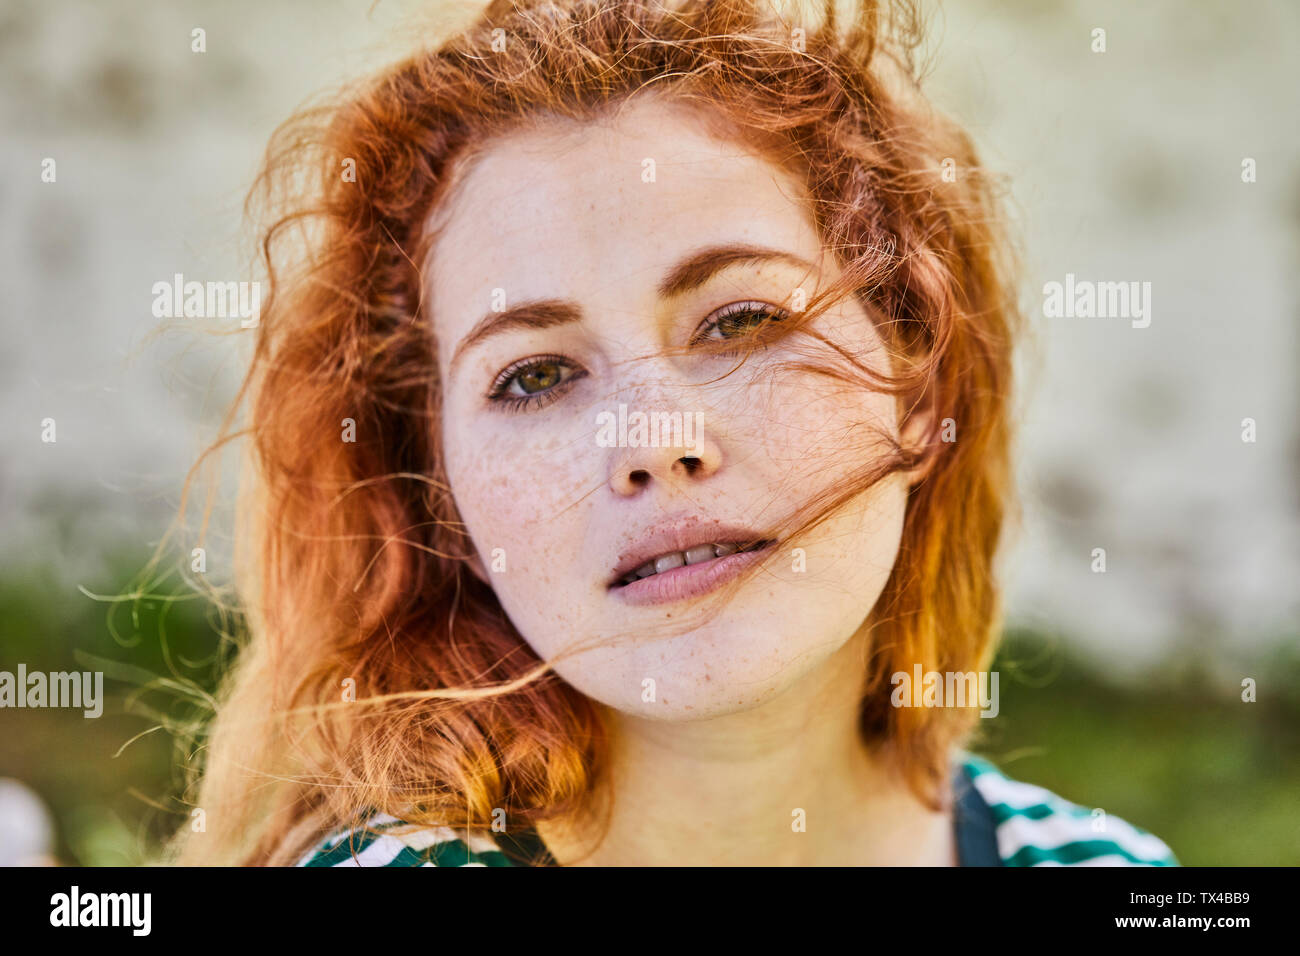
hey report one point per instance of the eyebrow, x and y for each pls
(692, 272)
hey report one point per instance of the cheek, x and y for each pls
(820, 437)
(816, 429)
(521, 489)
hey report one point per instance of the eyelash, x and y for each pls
(537, 400)
(514, 403)
(773, 313)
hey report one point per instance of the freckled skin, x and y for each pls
(563, 213)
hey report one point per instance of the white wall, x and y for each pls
(1124, 166)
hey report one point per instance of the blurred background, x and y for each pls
(1120, 690)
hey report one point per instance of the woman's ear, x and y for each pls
(917, 421)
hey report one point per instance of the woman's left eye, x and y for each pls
(738, 320)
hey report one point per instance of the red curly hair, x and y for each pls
(353, 560)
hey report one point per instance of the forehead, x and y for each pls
(604, 209)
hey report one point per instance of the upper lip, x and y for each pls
(680, 535)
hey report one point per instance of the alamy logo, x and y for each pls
(179, 299)
(57, 689)
(652, 430)
(102, 909)
(947, 689)
(1085, 299)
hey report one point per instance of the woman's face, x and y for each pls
(568, 260)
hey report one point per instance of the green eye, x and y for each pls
(533, 381)
(539, 377)
(740, 319)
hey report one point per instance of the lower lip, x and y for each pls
(688, 581)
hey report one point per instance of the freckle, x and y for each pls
(707, 677)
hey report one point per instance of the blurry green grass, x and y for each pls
(1181, 756)
(110, 808)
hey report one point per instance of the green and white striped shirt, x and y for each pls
(998, 822)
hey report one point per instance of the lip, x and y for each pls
(691, 580)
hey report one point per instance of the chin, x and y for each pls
(733, 664)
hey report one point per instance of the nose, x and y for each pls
(636, 468)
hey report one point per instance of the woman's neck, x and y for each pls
(786, 783)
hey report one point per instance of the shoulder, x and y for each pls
(382, 840)
(1035, 827)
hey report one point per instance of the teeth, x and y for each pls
(676, 559)
(669, 561)
(701, 552)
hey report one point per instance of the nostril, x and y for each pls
(639, 477)
(691, 464)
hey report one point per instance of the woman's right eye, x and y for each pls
(533, 382)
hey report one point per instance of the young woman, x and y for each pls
(630, 421)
